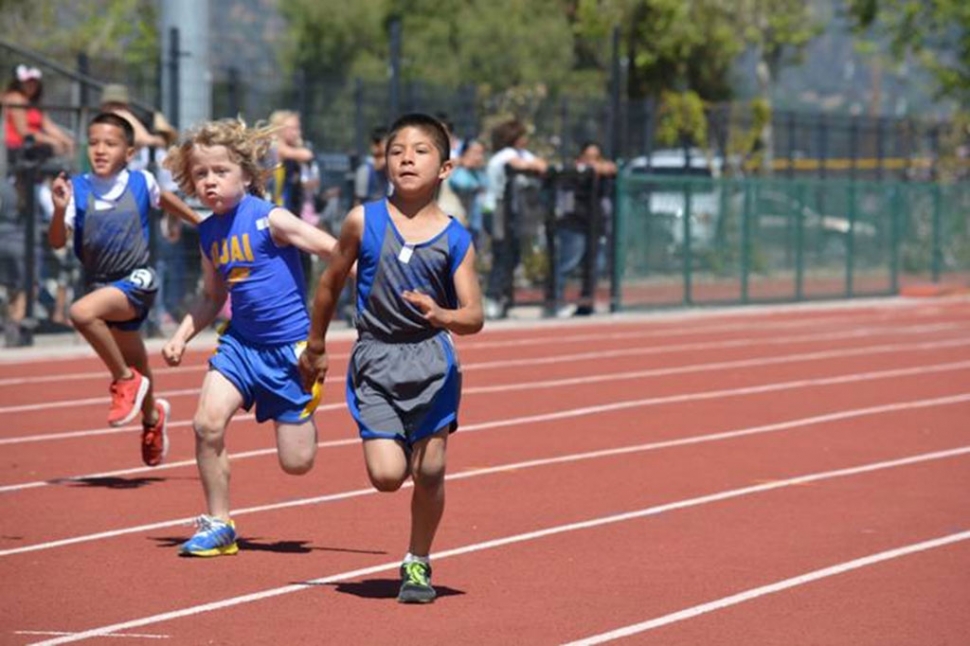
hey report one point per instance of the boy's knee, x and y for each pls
(81, 316)
(297, 465)
(429, 477)
(386, 483)
(207, 430)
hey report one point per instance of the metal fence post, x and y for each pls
(850, 242)
(688, 257)
(745, 240)
(800, 246)
(937, 231)
(619, 235)
(895, 237)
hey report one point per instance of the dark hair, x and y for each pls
(506, 133)
(445, 121)
(468, 143)
(112, 119)
(427, 124)
(16, 85)
(377, 134)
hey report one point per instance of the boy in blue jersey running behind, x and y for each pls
(108, 212)
(251, 249)
(416, 284)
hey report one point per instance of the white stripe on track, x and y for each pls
(838, 323)
(651, 372)
(652, 446)
(758, 361)
(538, 534)
(547, 417)
(779, 586)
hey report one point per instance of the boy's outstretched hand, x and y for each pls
(313, 367)
(61, 190)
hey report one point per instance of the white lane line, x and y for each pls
(547, 417)
(517, 538)
(741, 363)
(472, 473)
(57, 633)
(838, 323)
(779, 586)
(70, 435)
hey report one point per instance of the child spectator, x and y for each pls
(508, 141)
(469, 181)
(370, 179)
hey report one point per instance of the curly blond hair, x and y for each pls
(246, 146)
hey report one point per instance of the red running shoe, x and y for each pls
(127, 396)
(154, 439)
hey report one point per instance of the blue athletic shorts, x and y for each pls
(140, 287)
(267, 377)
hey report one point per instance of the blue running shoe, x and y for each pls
(214, 537)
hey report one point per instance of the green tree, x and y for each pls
(937, 33)
(495, 43)
(125, 30)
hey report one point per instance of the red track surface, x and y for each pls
(746, 477)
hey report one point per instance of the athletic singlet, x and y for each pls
(111, 236)
(386, 266)
(265, 280)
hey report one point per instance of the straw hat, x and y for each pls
(161, 126)
(114, 93)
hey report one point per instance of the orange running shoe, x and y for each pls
(154, 438)
(127, 396)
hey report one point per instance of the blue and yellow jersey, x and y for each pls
(264, 279)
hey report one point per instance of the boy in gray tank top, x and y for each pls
(416, 285)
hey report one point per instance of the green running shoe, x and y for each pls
(416, 583)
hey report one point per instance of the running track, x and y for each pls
(793, 475)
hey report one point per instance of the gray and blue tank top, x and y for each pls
(111, 237)
(387, 266)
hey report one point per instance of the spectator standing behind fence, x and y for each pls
(370, 179)
(114, 98)
(469, 182)
(292, 159)
(13, 262)
(26, 118)
(290, 155)
(582, 203)
(509, 141)
(249, 247)
(108, 212)
(417, 285)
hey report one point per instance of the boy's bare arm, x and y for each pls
(202, 314)
(289, 229)
(313, 361)
(172, 203)
(61, 191)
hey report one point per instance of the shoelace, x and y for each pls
(204, 523)
(417, 572)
